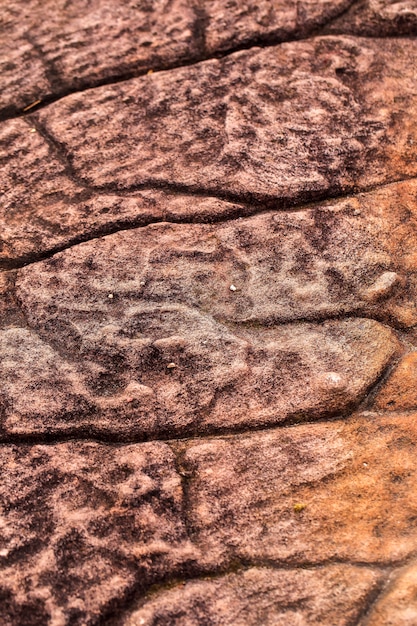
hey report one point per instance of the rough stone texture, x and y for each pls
(254, 311)
(377, 18)
(167, 371)
(43, 208)
(332, 596)
(288, 123)
(243, 22)
(400, 390)
(82, 525)
(306, 494)
(169, 330)
(353, 257)
(84, 43)
(398, 605)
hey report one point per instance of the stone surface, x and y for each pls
(244, 22)
(82, 43)
(221, 255)
(399, 391)
(377, 18)
(170, 330)
(168, 371)
(284, 124)
(353, 256)
(44, 208)
(332, 596)
(398, 605)
(306, 494)
(83, 525)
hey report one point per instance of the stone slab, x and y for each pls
(332, 596)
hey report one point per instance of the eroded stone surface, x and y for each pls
(43, 208)
(292, 122)
(398, 605)
(82, 43)
(399, 391)
(243, 22)
(378, 18)
(82, 525)
(167, 371)
(308, 493)
(170, 329)
(332, 596)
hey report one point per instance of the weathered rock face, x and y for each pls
(289, 123)
(83, 525)
(170, 330)
(398, 604)
(84, 43)
(306, 494)
(215, 247)
(332, 596)
(239, 23)
(377, 18)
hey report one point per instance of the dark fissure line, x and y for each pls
(259, 41)
(241, 209)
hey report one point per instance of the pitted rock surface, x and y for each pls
(208, 288)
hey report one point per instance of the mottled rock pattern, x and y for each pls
(377, 18)
(82, 43)
(242, 22)
(162, 278)
(283, 124)
(83, 525)
(332, 596)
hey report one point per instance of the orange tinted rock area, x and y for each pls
(208, 313)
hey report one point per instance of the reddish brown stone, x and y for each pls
(44, 208)
(399, 392)
(243, 22)
(57, 46)
(306, 494)
(398, 605)
(377, 18)
(82, 526)
(290, 123)
(330, 596)
(170, 330)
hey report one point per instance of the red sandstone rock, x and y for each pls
(331, 596)
(83, 525)
(243, 22)
(378, 18)
(58, 46)
(399, 392)
(171, 330)
(288, 123)
(397, 606)
(306, 494)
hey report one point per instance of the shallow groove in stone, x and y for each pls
(260, 41)
(241, 566)
(246, 209)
